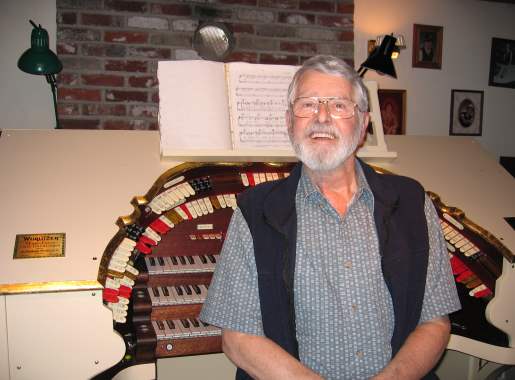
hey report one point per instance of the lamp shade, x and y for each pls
(380, 59)
(39, 59)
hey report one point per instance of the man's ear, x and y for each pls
(288, 118)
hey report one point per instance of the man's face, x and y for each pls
(321, 141)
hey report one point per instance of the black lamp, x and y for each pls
(380, 59)
(40, 60)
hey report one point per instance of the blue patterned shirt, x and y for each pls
(344, 312)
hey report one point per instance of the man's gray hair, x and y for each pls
(331, 65)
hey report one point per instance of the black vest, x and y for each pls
(269, 210)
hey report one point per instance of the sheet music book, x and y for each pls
(223, 106)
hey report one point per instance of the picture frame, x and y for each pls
(392, 104)
(502, 63)
(427, 46)
(466, 113)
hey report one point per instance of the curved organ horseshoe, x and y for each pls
(156, 270)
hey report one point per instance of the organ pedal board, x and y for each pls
(156, 270)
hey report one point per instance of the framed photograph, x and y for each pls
(466, 113)
(502, 63)
(392, 104)
(427, 46)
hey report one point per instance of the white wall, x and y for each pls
(25, 100)
(468, 28)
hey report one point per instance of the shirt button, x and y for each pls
(354, 307)
(360, 354)
(347, 264)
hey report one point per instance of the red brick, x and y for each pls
(316, 6)
(126, 37)
(104, 50)
(239, 2)
(64, 93)
(241, 28)
(150, 52)
(282, 4)
(126, 96)
(155, 97)
(67, 48)
(242, 56)
(171, 9)
(126, 6)
(104, 109)
(146, 81)
(102, 80)
(127, 66)
(98, 20)
(346, 36)
(79, 124)
(335, 21)
(299, 47)
(153, 126)
(279, 59)
(67, 78)
(67, 18)
(68, 109)
(345, 8)
(125, 124)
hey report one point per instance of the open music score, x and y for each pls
(257, 105)
(158, 267)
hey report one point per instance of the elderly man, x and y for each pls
(335, 272)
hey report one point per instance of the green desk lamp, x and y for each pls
(40, 60)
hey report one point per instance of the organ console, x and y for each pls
(169, 247)
(147, 274)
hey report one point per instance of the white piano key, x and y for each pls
(188, 187)
(192, 210)
(262, 177)
(257, 181)
(202, 205)
(183, 189)
(154, 296)
(275, 176)
(221, 200)
(160, 332)
(197, 207)
(126, 242)
(244, 179)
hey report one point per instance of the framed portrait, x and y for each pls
(502, 63)
(466, 113)
(392, 104)
(427, 46)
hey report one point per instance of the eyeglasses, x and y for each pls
(339, 108)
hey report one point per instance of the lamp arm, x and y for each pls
(50, 78)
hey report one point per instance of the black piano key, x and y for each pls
(203, 259)
(165, 291)
(185, 323)
(190, 259)
(212, 259)
(179, 290)
(174, 260)
(196, 289)
(188, 289)
(161, 261)
(170, 324)
(155, 291)
(160, 325)
(182, 260)
(194, 322)
(152, 261)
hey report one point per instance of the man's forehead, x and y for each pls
(316, 80)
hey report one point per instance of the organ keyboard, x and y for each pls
(157, 269)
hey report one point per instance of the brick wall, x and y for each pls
(110, 48)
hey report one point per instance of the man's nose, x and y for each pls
(323, 114)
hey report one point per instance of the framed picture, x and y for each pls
(392, 104)
(466, 113)
(502, 63)
(427, 46)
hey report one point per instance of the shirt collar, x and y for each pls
(310, 191)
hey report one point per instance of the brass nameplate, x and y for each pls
(31, 246)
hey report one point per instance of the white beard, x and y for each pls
(324, 158)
